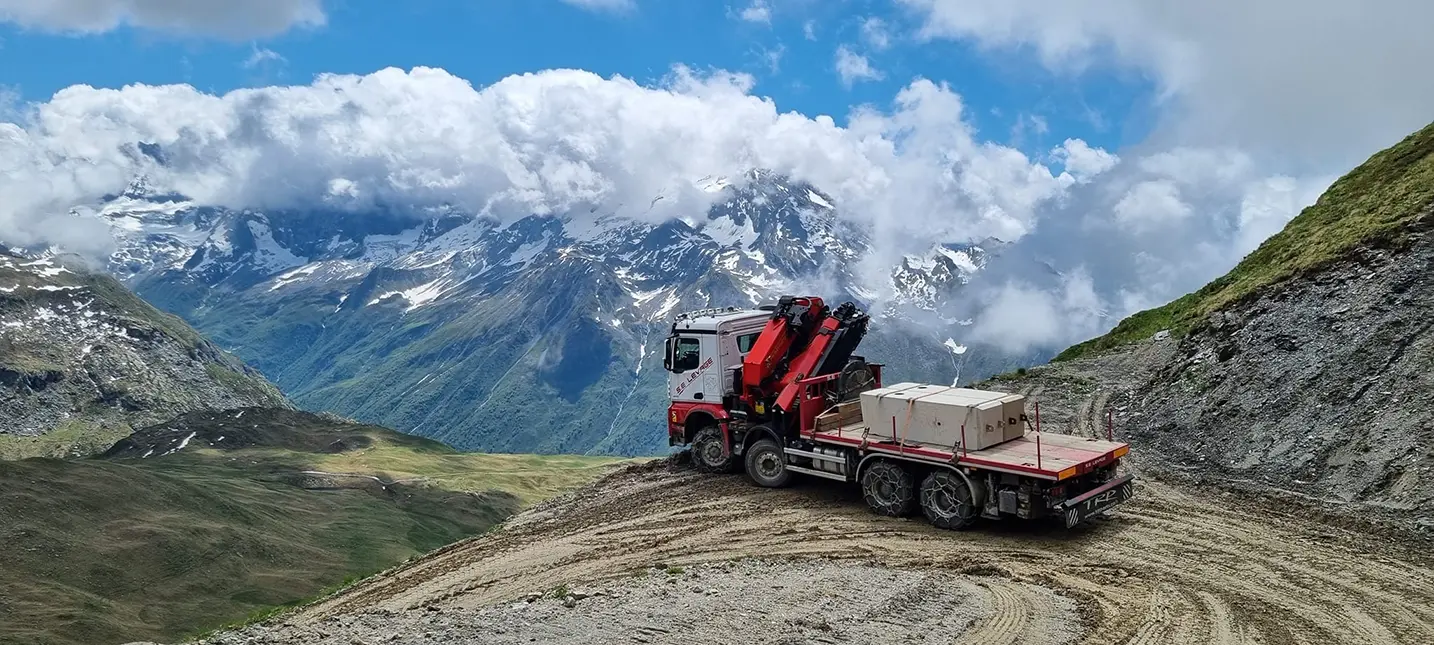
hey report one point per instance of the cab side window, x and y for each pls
(689, 354)
(746, 341)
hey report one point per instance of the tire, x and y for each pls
(950, 501)
(767, 464)
(710, 453)
(889, 489)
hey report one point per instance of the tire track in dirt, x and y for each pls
(1171, 566)
(1010, 616)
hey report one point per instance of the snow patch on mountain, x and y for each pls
(818, 200)
(269, 255)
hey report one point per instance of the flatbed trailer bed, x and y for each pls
(1055, 457)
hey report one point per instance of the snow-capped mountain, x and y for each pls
(539, 334)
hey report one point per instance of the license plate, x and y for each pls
(1081, 508)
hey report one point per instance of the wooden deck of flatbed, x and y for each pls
(1054, 456)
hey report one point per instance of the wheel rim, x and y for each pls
(769, 465)
(712, 453)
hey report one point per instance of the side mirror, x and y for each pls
(668, 352)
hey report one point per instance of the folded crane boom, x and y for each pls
(803, 338)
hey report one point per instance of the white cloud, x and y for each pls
(875, 33)
(228, 18)
(603, 5)
(809, 30)
(758, 11)
(561, 141)
(1019, 315)
(1151, 204)
(1324, 81)
(261, 56)
(1082, 161)
(853, 67)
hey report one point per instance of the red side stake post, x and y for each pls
(1038, 435)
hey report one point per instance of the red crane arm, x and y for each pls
(803, 365)
(793, 322)
(804, 338)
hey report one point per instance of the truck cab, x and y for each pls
(703, 351)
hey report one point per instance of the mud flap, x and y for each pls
(1105, 497)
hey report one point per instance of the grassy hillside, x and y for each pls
(1369, 206)
(83, 361)
(203, 521)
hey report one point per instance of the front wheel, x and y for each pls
(767, 464)
(710, 453)
(889, 489)
(951, 501)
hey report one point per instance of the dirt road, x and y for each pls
(1169, 568)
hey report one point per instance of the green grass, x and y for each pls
(1374, 205)
(531, 478)
(118, 549)
(69, 438)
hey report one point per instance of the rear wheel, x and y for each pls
(710, 453)
(767, 464)
(889, 489)
(950, 501)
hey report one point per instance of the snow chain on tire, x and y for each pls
(950, 500)
(889, 489)
(706, 445)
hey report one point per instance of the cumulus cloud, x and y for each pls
(1150, 204)
(1151, 226)
(248, 19)
(1260, 106)
(1082, 161)
(853, 67)
(1326, 80)
(561, 142)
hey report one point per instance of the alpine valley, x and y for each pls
(543, 334)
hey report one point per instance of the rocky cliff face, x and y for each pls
(83, 361)
(1323, 386)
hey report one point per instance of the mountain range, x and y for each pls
(537, 335)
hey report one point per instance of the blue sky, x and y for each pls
(1011, 98)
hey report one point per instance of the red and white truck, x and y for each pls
(777, 391)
